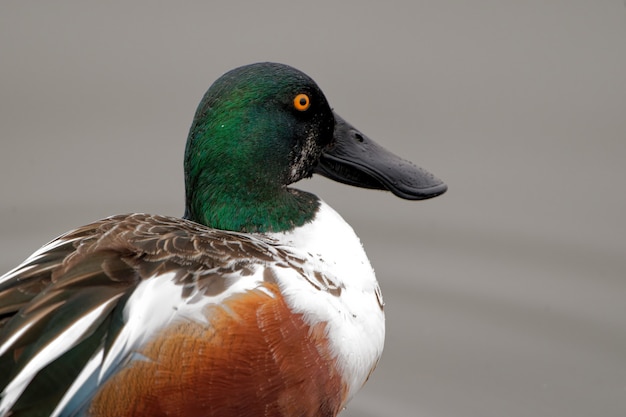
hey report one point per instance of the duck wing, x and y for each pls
(64, 325)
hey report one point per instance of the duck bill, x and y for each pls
(357, 160)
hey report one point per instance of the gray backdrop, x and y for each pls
(505, 297)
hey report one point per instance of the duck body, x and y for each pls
(259, 302)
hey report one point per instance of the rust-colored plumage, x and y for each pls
(255, 358)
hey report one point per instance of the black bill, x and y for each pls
(357, 160)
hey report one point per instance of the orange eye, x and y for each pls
(302, 102)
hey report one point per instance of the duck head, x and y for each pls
(260, 128)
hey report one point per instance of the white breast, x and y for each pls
(356, 322)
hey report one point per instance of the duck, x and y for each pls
(258, 301)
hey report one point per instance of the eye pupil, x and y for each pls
(302, 102)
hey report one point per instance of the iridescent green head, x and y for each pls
(257, 129)
(260, 128)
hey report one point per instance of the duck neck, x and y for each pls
(225, 205)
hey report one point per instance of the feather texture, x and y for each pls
(70, 300)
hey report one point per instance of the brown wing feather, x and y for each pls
(99, 265)
(103, 253)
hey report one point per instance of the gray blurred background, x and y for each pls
(505, 297)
